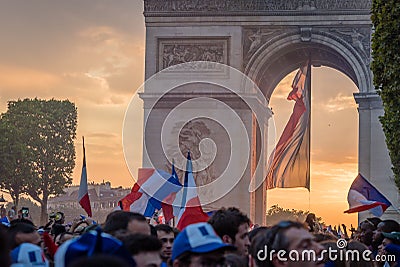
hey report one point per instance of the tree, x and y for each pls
(14, 157)
(275, 214)
(386, 69)
(48, 130)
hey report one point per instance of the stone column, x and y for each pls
(373, 159)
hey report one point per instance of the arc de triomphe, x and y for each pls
(266, 40)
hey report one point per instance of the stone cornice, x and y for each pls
(189, 8)
(368, 101)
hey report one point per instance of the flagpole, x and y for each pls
(309, 121)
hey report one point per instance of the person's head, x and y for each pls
(21, 232)
(386, 226)
(366, 230)
(125, 220)
(257, 231)
(361, 248)
(235, 260)
(91, 243)
(283, 238)
(62, 238)
(331, 245)
(388, 240)
(59, 217)
(233, 228)
(198, 245)
(4, 246)
(27, 254)
(166, 235)
(145, 249)
(56, 230)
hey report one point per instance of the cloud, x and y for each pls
(338, 103)
(284, 87)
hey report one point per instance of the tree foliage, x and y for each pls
(14, 158)
(275, 214)
(386, 69)
(47, 130)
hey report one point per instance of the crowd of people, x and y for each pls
(227, 239)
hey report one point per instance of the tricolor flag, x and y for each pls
(364, 196)
(289, 163)
(169, 200)
(83, 195)
(190, 209)
(152, 187)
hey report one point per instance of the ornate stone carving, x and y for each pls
(176, 51)
(305, 34)
(359, 38)
(215, 6)
(254, 38)
(189, 140)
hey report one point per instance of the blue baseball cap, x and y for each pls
(197, 238)
(91, 243)
(28, 255)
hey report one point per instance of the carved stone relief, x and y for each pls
(254, 38)
(189, 140)
(358, 38)
(215, 6)
(176, 51)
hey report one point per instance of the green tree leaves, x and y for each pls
(386, 69)
(41, 134)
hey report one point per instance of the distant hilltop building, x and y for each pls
(103, 199)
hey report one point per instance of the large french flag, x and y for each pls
(289, 163)
(152, 187)
(83, 195)
(190, 210)
(364, 196)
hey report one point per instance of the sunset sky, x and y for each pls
(92, 53)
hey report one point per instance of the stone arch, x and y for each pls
(283, 54)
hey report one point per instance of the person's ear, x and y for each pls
(227, 239)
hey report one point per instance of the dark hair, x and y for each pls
(4, 246)
(20, 227)
(153, 230)
(390, 226)
(21, 220)
(99, 260)
(227, 221)
(257, 231)
(274, 239)
(136, 243)
(373, 221)
(165, 228)
(235, 260)
(119, 220)
(57, 229)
